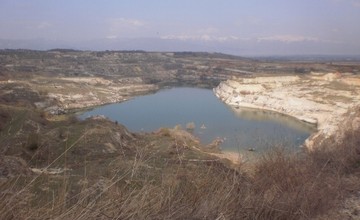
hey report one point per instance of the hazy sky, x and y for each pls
(235, 26)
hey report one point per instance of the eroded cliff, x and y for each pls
(322, 99)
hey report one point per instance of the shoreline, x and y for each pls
(234, 157)
(255, 107)
(294, 97)
(260, 93)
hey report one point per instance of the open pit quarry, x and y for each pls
(53, 165)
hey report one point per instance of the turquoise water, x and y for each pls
(240, 129)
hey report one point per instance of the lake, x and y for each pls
(240, 129)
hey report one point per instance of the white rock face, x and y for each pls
(82, 92)
(321, 101)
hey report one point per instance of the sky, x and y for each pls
(241, 27)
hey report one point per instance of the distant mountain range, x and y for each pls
(250, 48)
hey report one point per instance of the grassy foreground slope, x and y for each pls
(62, 168)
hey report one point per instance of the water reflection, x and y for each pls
(264, 115)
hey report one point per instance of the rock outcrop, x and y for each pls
(323, 101)
(99, 94)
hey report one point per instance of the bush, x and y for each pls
(33, 141)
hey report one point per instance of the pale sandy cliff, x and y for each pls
(321, 99)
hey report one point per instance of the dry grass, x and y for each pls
(152, 179)
(282, 186)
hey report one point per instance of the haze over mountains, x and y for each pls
(247, 47)
(277, 27)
